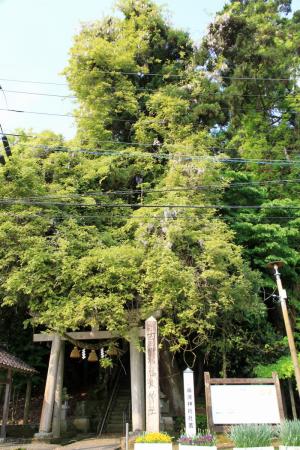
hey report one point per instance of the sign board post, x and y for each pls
(232, 401)
(189, 402)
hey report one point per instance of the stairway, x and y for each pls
(121, 405)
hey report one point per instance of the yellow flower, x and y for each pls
(153, 438)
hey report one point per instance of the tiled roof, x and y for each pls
(8, 361)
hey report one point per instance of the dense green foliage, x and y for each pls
(283, 367)
(97, 230)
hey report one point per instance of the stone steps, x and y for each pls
(115, 420)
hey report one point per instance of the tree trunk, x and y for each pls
(199, 376)
(224, 354)
(171, 382)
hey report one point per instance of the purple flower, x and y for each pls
(206, 439)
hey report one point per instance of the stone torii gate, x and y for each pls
(51, 409)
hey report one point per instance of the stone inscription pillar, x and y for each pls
(152, 376)
(137, 378)
(47, 409)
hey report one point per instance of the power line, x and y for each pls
(168, 156)
(45, 113)
(219, 93)
(161, 75)
(141, 144)
(38, 112)
(33, 82)
(154, 191)
(98, 152)
(112, 216)
(39, 93)
(113, 119)
(134, 143)
(141, 205)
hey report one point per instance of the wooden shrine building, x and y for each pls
(8, 365)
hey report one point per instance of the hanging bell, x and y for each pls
(75, 354)
(112, 350)
(93, 356)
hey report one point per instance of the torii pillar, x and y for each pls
(137, 380)
(49, 395)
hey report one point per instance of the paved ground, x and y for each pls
(86, 444)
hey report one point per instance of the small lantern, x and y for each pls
(75, 354)
(93, 356)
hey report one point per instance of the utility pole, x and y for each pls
(282, 298)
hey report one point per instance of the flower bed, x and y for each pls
(153, 441)
(200, 441)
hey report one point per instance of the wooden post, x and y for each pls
(287, 323)
(47, 409)
(58, 394)
(208, 403)
(279, 397)
(6, 404)
(292, 398)
(27, 400)
(152, 376)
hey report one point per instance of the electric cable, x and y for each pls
(112, 119)
(6, 201)
(169, 156)
(39, 93)
(215, 159)
(45, 113)
(166, 75)
(128, 192)
(33, 82)
(143, 144)
(219, 93)
(178, 216)
(5, 99)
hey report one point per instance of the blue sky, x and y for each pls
(36, 36)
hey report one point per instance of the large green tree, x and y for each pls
(122, 219)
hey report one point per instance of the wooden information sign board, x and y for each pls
(232, 401)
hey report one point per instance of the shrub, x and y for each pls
(252, 435)
(179, 424)
(154, 438)
(201, 421)
(289, 433)
(204, 438)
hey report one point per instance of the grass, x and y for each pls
(252, 435)
(289, 433)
